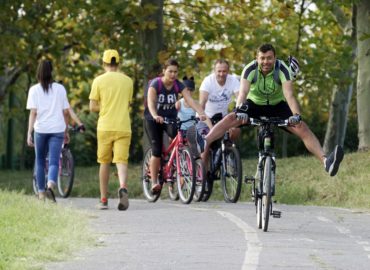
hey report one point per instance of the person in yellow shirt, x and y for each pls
(111, 94)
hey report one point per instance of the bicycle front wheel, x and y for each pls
(200, 180)
(266, 195)
(186, 180)
(173, 191)
(146, 178)
(231, 174)
(66, 173)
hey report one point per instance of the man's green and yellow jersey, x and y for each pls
(266, 90)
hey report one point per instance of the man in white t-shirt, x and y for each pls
(215, 95)
(217, 89)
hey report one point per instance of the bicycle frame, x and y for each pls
(171, 152)
(264, 189)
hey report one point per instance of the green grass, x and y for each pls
(300, 180)
(34, 232)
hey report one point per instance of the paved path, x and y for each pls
(215, 235)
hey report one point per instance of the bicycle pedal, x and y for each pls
(250, 179)
(276, 214)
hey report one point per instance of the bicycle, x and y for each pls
(224, 164)
(263, 188)
(65, 174)
(177, 169)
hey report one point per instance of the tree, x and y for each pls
(363, 74)
(342, 92)
(152, 44)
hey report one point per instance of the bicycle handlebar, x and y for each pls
(265, 121)
(177, 121)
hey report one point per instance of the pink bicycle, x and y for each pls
(183, 174)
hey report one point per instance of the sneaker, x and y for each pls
(102, 205)
(333, 161)
(50, 195)
(123, 199)
(196, 142)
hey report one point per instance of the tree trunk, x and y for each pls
(341, 97)
(9, 78)
(337, 124)
(152, 44)
(363, 75)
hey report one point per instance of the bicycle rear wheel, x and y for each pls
(231, 175)
(173, 191)
(146, 179)
(66, 173)
(266, 195)
(34, 181)
(200, 180)
(186, 180)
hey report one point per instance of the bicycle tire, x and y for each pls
(231, 174)
(208, 188)
(266, 195)
(186, 180)
(209, 179)
(259, 212)
(66, 173)
(173, 191)
(200, 180)
(34, 181)
(146, 180)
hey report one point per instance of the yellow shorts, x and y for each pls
(113, 142)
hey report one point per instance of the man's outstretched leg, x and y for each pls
(332, 162)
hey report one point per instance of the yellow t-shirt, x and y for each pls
(113, 91)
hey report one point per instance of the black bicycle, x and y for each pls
(224, 164)
(263, 185)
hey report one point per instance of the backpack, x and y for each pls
(292, 64)
(177, 89)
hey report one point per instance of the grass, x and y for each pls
(34, 232)
(300, 180)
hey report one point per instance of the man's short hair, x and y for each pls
(221, 61)
(265, 48)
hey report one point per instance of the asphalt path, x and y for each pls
(216, 235)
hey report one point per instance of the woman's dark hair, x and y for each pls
(266, 47)
(171, 62)
(44, 74)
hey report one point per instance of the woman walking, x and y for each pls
(48, 120)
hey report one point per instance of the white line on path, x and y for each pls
(346, 231)
(254, 246)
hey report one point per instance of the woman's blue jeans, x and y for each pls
(47, 143)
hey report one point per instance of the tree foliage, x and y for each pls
(73, 34)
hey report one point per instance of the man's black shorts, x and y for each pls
(280, 110)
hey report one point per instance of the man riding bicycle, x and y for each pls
(267, 85)
(215, 96)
